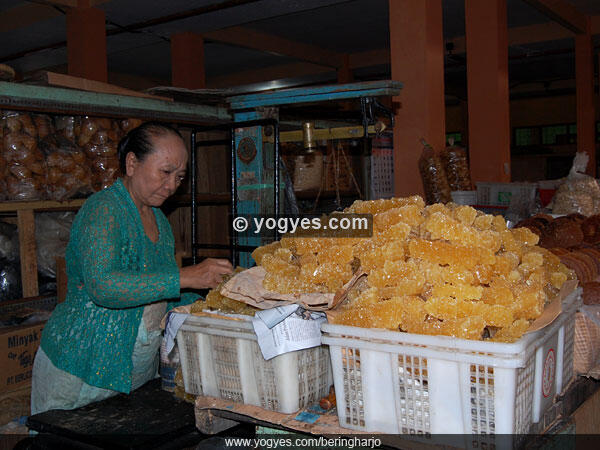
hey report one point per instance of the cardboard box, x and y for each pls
(18, 345)
(15, 404)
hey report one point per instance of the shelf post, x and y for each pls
(29, 277)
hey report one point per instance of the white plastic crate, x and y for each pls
(464, 197)
(397, 382)
(221, 358)
(499, 194)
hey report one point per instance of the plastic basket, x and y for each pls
(464, 197)
(415, 384)
(499, 194)
(221, 358)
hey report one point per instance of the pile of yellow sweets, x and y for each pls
(215, 301)
(437, 269)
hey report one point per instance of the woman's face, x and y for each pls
(157, 177)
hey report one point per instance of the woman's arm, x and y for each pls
(102, 252)
(207, 274)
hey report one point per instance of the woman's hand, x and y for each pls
(207, 274)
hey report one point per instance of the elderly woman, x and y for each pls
(122, 278)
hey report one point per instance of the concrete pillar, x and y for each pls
(585, 96)
(487, 89)
(417, 60)
(187, 61)
(86, 43)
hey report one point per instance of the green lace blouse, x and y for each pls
(113, 271)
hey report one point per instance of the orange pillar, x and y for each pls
(187, 61)
(86, 43)
(584, 76)
(487, 89)
(417, 60)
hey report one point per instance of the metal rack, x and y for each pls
(234, 246)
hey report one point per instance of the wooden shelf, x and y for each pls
(27, 247)
(75, 102)
(42, 205)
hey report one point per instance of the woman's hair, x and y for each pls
(139, 141)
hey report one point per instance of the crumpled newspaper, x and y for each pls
(247, 287)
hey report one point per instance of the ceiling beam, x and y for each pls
(245, 37)
(69, 3)
(28, 13)
(277, 72)
(369, 58)
(295, 70)
(23, 15)
(563, 13)
(529, 34)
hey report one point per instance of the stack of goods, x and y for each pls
(440, 269)
(574, 238)
(99, 138)
(68, 172)
(456, 165)
(444, 173)
(58, 159)
(433, 175)
(22, 165)
(580, 193)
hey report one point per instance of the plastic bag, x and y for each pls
(65, 126)
(23, 168)
(68, 174)
(435, 182)
(580, 193)
(10, 270)
(129, 124)
(104, 172)
(456, 166)
(586, 351)
(9, 242)
(43, 124)
(521, 207)
(99, 137)
(52, 237)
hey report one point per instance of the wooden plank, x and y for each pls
(587, 416)
(563, 13)
(69, 81)
(29, 278)
(61, 279)
(41, 205)
(245, 37)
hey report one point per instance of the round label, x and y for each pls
(548, 373)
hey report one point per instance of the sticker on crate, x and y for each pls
(286, 329)
(548, 374)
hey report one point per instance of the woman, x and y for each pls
(122, 278)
